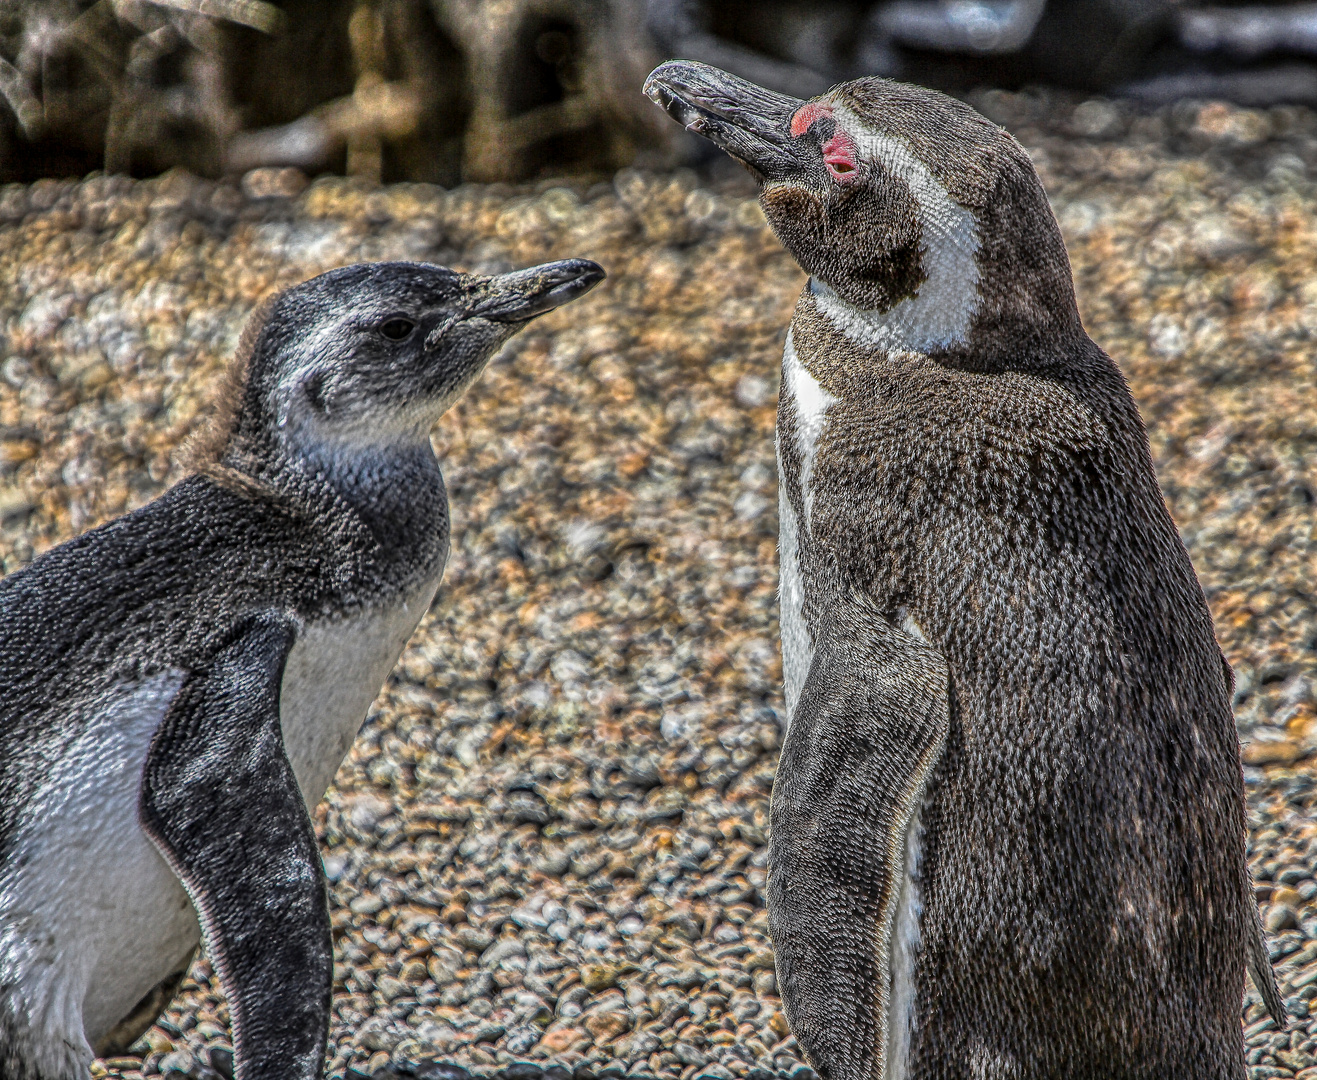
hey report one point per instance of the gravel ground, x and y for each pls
(546, 848)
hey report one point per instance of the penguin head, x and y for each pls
(906, 206)
(369, 357)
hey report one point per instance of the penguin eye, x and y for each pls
(839, 155)
(397, 328)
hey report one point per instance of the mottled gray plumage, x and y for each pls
(1008, 825)
(179, 685)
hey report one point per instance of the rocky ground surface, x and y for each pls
(546, 848)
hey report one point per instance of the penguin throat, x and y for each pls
(393, 489)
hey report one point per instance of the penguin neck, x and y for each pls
(934, 321)
(394, 489)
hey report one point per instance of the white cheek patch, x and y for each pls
(940, 315)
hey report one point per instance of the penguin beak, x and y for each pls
(750, 123)
(524, 294)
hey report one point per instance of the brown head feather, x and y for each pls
(204, 450)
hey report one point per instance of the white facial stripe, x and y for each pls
(941, 314)
(812, 403)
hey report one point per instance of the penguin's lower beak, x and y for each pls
(524, 294)
(750, 123)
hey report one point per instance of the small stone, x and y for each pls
(1281, 917)
(269, 182)
(596, 977)
(178, 1061)
(474, 939)
(521, 1070)
(501, 950)
(441, 1070)
(221, 1060)
(1271, 752)
(608, 1025)
(490, 1033)
(390, 988)
(520, 1040)
(688, 1054)
(442, 971)
(561, 1039)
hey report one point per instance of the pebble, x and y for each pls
(575, 753)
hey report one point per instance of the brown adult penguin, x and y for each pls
(179, 685)
(1008, 827)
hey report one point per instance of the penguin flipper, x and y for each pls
(1259, 967)
(869, 727)
(220, 801)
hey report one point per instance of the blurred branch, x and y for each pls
(976, 27)
(1250, 32)
(373, 111)
(257, 14)
(24, 103)
(680, 29)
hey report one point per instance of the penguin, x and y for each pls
(1008, 826)
(178, 686)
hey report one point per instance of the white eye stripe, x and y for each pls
(941, 314)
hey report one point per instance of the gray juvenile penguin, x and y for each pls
(1008, 827)
(179, 685)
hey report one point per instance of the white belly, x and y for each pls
(91, 916)
(334, 672)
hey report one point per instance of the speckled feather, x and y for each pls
(240, 625)
(1083, 905)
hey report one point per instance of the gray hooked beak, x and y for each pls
(524, 294)
(752, 124)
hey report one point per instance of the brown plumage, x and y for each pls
(1008, 824)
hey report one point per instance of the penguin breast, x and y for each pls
(91, 916)
(334, 671)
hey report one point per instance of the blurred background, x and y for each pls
(507, 90)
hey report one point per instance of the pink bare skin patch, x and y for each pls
(806, 115)
(839, 155)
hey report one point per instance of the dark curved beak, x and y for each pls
(752, 124)
(524, 294)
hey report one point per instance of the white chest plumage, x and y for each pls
(810, 403)
(334, 671)
(940, 315)
(91, 916)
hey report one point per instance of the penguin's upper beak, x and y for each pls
(752, 124)
(524, 294)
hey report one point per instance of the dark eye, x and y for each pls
(396, 329)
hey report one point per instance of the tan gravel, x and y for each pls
(547, 844)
